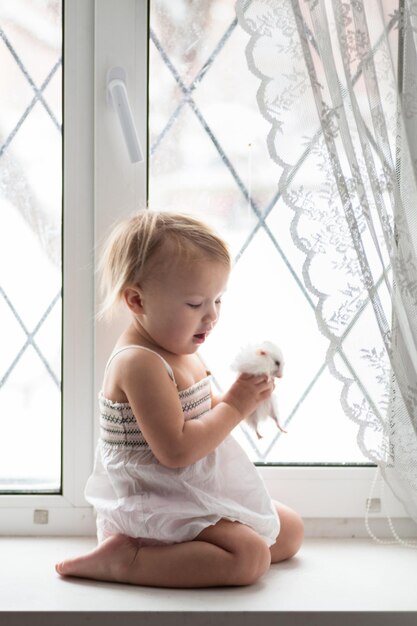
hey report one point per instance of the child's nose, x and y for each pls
(211, 315)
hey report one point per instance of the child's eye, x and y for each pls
(194, 306)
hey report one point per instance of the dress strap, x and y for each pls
(167, 365)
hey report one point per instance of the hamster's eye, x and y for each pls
(277, 363)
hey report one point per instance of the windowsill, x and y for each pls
(355, 577)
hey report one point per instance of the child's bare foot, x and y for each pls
(110, 561)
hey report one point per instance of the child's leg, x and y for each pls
(290, 536)
(228, 553)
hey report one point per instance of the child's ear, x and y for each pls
(133, 298)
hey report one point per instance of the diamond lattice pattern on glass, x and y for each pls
(30, 245)
(208, 157)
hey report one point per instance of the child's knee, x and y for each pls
(290, 538)
(295, 534)
(252, 560)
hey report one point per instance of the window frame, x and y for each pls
(68, 512)
(100, 186)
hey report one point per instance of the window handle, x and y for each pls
(117, 96)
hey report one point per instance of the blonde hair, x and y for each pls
(137, 243)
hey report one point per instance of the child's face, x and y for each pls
(182, 306)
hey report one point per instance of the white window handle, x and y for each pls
(118, 98)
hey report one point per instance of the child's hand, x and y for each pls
(247, 392)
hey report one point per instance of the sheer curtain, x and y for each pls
(338, 85)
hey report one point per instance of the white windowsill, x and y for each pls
(366, 584)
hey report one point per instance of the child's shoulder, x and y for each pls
(139, 359)
(136, 365)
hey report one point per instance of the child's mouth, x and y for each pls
(200, 337)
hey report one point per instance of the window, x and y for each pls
(47, 438)
(207, 154)
(30, 214)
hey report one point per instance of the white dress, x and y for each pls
(135, 495)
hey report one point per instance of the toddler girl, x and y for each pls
(178, 502)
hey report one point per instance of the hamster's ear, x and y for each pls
(133, 299)
(261, 352)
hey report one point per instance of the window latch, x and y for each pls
(118, 97)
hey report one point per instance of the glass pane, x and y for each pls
(30, 245)
(208, 157)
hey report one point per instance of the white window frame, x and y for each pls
(100, 186)
(19, 514)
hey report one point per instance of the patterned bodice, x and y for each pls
(118, 425)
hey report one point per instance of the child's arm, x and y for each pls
(155, 403)
(214, 399)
